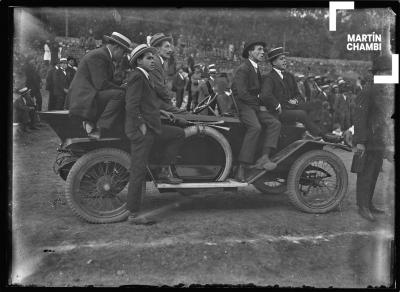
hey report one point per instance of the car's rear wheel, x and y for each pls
(223, 167)
(96, 186)
(317, 182)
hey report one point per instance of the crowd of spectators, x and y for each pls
(195, 48)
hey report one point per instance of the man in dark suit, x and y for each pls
(282, 96)
(159, 75)
(373, 134)
(33, 81)
(94, 95)
(60, 85)
(71, 70)
(143, 126)
(178, 85)
(49, 85)
(246, 88)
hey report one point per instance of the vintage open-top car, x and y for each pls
(96, 171)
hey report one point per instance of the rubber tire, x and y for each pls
(222, 141)
(82, 165)
(260, 186)
(298, 167)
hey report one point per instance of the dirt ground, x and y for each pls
(242, 237)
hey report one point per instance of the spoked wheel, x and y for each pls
(317, 182)
(268, 184)
(204, 103)
(97, 184)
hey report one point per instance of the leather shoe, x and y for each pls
(376, 210)
(268, 166)
(261, 161)
(366, 214)
(135, 220)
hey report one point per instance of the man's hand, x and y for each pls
(168, 115)
(65, 90)
(293, 101)
(360, 148)
(143, 129)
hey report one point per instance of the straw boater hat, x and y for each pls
(119, 39)
(138, 51)
(63, 60)
(23, 91)
(245, 53)
(158, 38)
(276, 52)
(212, 69)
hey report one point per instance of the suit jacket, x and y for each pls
(275, 91)
(194, 85)
(159, 76)
(70, 75)
(59, 83)
(49, 79)
(373, 125)
(178, 82)
(246, 86)
(95, 73)
(141, 105)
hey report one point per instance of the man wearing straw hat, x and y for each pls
(143, 126)
(282, 96)
(95, 97)
(162, 43)
(253, 114)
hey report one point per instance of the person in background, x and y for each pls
(33, 81)
(47, 53)
(195, 79)
(71, 69)
(373, 135)
(49, 85)
(25, 110)
(178, 85)
(60, 84)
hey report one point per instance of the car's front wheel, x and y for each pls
(317, 182)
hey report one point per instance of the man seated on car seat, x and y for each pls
(253, 113)
(94, 95)
(280, 93)
(143, 127)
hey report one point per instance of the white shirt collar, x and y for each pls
(144, 72)
(109, 52)
(279, 72)
(255, 65)
(211, 78)
(162, 60)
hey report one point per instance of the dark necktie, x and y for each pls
(259, 75)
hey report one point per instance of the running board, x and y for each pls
(203, 185)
